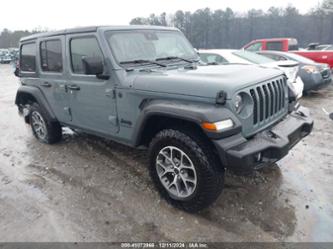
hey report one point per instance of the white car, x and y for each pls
(227, 56)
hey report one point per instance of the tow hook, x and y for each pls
(300, 113)
(272, 135)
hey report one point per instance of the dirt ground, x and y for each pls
(89, 189)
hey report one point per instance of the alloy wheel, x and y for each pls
(176, 172)
(38, 125)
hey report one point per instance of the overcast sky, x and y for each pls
(59, 14)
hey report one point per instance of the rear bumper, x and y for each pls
(266, 147)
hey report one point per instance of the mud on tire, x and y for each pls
(52, 129)
(209, 174)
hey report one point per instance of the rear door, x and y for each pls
(52, 80)
(92, 100)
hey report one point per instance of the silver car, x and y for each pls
(223, 56)
(314, 75)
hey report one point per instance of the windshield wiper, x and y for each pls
(212, 63)
(143, 61)
(174, 58)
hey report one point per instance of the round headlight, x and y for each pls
(243, 105)
(238, 103)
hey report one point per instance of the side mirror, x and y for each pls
(17, 69)
(94, 66)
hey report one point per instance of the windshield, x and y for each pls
(299, 58)
(252, 57)
(149, 45)
(212, 58)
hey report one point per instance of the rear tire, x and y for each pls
(43, 128)
(185, 169)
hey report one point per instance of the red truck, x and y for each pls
(290, 45)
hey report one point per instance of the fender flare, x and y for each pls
(38, 95)
(194, 112)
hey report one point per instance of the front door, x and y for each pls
(92, 102)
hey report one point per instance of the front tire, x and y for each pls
(185, 169)
(45, 130)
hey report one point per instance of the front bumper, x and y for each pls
(316, 82)
(239, 153)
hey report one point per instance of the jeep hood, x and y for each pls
(204, 81)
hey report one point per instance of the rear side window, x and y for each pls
(274, 46)
(28, 57)
(51, 56)
(81, 48)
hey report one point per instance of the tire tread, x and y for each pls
(212, 173)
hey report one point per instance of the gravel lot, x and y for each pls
(89, 189)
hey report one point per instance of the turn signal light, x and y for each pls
(218, 126)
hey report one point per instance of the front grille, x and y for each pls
(325, 73)
(269, 99)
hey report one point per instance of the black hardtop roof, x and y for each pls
(93, 29)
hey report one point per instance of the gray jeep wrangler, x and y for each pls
(142, 86)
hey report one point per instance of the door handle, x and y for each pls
(73, 87)
(110, 93)
(46, 84)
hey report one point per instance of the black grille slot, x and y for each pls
(255, 106)
(268, 100)
(261, 104)
(272, 99)
(283, 92)
(280, 94)
(276, 104)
